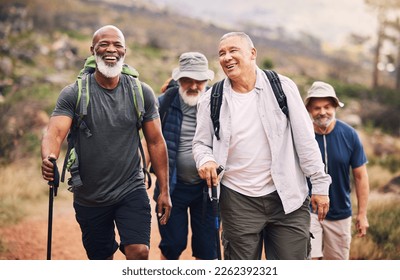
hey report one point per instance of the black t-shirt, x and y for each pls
(109, 160)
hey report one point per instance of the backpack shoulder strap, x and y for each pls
(278, 91)
(78, 123)
(217, 92)
(138, 98)
(83, 93)
(83, 85)
(167, 99)
(215, 105)
(82, 103)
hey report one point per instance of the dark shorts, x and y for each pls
(132, 216)
(174, 235)
(248, 221)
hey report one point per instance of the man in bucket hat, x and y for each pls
(341, 151)
(188, 191)
(193, 65)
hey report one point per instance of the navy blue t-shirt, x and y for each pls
(344, 153)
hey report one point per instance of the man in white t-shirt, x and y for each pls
(266, 156)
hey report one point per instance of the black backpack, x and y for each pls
(216, 98)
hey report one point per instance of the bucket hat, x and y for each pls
(193, 65)
(321, 90)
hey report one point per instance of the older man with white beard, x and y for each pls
(113, 190)
(188, 191)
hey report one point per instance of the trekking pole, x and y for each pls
(52, 193)
(215, 202)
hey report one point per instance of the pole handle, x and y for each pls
(56, 181)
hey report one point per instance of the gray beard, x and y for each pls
(107, 70)
(190, 100)
(325, 124)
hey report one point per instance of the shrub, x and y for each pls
(267, 63)
(383, 238)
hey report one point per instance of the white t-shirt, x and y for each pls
(248, 168)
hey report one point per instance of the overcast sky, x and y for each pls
(330, 20)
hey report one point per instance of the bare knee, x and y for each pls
(136, 252)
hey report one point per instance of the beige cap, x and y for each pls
(321, 90)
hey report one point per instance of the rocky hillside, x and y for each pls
(44, 43)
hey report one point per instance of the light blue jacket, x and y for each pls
(294, 150)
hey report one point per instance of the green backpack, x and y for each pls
(83, 86)
(71, 162)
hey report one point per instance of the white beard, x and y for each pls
(189, 99)
(107, 70)
(323, 124)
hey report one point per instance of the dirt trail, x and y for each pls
(27, 240)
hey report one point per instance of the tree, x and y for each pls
(384, 9)
(395, 40)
